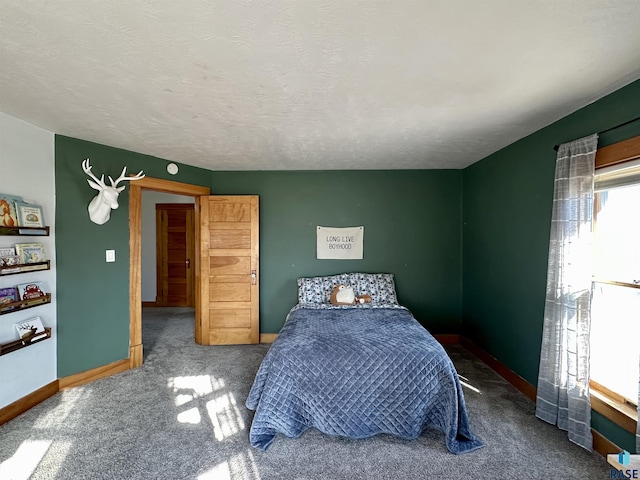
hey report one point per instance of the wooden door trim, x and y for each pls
(135, 251)
(202, 271)
(255, 246)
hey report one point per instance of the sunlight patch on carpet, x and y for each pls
(223, 410)
(464, 381)
(24, 462)
(225, 416)
(190, 416)
(219, 472)
(241, 465)
(195, 385)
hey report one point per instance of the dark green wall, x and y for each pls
(412, 225)
(412, 229)
(506, 224)
(93, 296)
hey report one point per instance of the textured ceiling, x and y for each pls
(310, 84)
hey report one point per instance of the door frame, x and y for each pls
(135, 251)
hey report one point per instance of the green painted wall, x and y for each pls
(412, 229)
(412, 225)
(93, 296)
(506, 223)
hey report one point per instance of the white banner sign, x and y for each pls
(340, 243)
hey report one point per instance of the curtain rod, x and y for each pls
(556, 147)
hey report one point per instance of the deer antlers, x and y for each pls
(138, 176)
(100, 185)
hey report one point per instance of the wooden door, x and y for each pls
(227, 291)
(175, 255)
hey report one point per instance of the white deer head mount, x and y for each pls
(107, 200)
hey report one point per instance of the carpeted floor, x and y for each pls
(182, 416)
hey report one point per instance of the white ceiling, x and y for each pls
(311, 84)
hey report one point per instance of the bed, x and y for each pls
(356, 371)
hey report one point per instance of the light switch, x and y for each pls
(111, 256)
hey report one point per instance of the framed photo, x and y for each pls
(29, 215)
(30, 252)
(30, 329)
(29, 291)
(8, 213)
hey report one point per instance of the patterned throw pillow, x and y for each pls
(316, 290)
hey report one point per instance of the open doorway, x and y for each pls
(135, 252)
(168, 250)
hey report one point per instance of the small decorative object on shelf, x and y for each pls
(18, 344)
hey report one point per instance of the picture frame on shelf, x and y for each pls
(30, 329)
(29, 215)
(30, 252)
(8, 212)
(7, 251)
(32, 290)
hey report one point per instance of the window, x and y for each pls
(615, 307)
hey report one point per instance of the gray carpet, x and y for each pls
(182, 416)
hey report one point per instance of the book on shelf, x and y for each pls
(29, 214)
(31, 329)
(30, 252)
(8, 295)
(32, 290)
(8, 212)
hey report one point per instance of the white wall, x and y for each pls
(27, 170)
(149, 201)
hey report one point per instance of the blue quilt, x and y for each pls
(357, 372)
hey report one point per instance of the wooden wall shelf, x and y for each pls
(24, 304)
(42, 231)
(25, 267)
(18, 344)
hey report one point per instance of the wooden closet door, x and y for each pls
(175, 255)
(227, 294)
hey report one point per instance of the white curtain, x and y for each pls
(563, 379)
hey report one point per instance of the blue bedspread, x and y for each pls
(357, 372)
